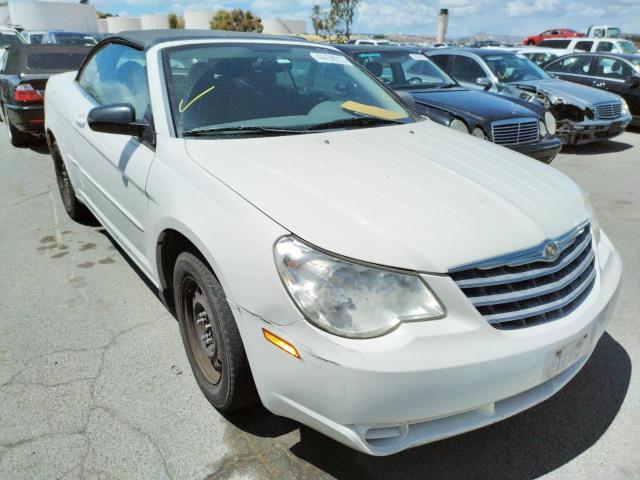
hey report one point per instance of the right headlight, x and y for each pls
(550, 123)
(478, 132)
(349, 299)
(459, 125)
(625, 107)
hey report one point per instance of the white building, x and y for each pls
(198, 19)
(120, 24)
(154, 21)
(32, 15)
(280, 26)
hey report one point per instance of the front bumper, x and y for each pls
(545, 150)
(588, 131)
(27, 118)
(426, 380)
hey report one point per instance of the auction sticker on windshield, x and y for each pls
(418, 56)
(329, 58)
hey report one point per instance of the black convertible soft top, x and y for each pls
(145, 39)
(45, 58)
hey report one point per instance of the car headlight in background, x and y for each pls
(478, 132)
(349, 299)
(459, 125)
(595, 224)
(550, 123)
(543, 129)
(625, 107)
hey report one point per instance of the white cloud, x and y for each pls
(396, 16)
(517, 8)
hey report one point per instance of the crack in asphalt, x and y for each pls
(93, 403)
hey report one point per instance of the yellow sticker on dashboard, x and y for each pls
(355, 107)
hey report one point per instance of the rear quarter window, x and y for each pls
(53, 61)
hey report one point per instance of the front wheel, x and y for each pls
(75, 209)
(210, 335)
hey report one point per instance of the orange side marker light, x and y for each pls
(280, 343)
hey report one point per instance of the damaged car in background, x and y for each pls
(516, 124)
(583, 114)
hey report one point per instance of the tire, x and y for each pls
(210, 336)
(16, 137)
(76, 210)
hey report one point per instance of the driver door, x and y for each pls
(114, 167)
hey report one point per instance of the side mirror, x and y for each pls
(633, 82)
(407, 98)
(119, 119)
(484, 82)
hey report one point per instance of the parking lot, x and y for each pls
(94, 381)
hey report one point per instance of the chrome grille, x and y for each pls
(524, 289)
(609, 111)
(515, 131)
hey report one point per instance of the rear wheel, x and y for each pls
(210, 335)
(74, 208)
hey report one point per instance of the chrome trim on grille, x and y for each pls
(524, 288)
(512, 277)
(506, 317)
(608, 110)
(536, 291)
(533, 254)
(515, 131)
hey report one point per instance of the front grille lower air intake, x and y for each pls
(529, 288)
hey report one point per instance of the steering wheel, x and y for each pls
(415, 80)
(307, 102)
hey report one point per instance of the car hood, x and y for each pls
(480, 105)
(572, 93)
(419, 196)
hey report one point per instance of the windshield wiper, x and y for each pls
(207, 132)
(353, 122)
(448, 85)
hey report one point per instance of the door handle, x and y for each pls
(81, 119)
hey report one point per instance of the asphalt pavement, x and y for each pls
(94, 382)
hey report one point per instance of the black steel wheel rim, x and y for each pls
(198, 317)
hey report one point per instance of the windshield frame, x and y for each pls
(167, 77)
(545, 75)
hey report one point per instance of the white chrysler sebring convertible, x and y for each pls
(376, 276)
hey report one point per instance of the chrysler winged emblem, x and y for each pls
(550, 251)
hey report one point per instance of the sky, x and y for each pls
(466, 17)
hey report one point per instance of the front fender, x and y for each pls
(234, 237)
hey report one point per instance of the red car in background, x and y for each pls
(554, 33)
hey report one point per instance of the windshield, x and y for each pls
(514, 68)
(271, 86)
(627, 47)
(404, 70)
(74, 39)
(7, 39)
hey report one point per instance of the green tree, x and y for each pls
(236, 20)
(325, 23)
(344, 12)
(175, 21)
